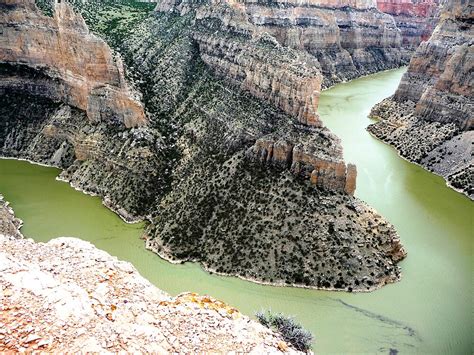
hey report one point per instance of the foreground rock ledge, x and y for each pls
(67, 295)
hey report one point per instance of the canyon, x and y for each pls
(429, 119)
(416, 20)
(232, 167)
(347, 39)
(200, 118)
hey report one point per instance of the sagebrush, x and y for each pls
(289, 329)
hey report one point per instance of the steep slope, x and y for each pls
(71, 65)
(430, 118)
(416, 20)
(347, 38)
(233, 168)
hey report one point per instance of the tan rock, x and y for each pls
(72, 65)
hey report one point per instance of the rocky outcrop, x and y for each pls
(214, 87)
(9, 225)
(430, 117)
(238, 51)
(58, 58)
(324, 168)
(348, 39)
(416, 20)
(68, 296)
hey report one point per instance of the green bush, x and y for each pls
(288, 328)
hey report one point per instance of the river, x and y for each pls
(430, 310)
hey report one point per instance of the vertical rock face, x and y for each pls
(416, 19)
(58, 58)
(430, 117)
(305, 158)
(237, 51)
(347, 38)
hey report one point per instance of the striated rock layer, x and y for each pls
(416, 20)
(68, 296)
(347, 39)
(430, 117)
(233, 169)
(59, 59)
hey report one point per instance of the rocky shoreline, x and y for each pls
(232, 168)
(429, 119)
(439, 148)
(66, 295)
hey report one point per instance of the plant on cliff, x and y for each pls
(289, 329)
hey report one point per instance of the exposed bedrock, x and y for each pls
(215, 88)
(415, 19)
(347, 38)
(76, 67)
(304, 158)
(235, 50)
(430, 119)
(68, 296)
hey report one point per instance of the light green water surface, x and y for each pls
(430, 310)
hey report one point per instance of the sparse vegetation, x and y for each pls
(289, 329)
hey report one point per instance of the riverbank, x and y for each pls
(68, 296)
(427, 311)
(440, 148)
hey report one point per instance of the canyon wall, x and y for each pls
(430, 119)
(348, 39)
(416, 20)
(226, 105)
(68, 296)
(58, 58)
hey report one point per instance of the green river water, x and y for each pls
(429, 311)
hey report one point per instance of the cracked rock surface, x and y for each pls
(67, 295)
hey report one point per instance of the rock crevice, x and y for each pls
(75, 66)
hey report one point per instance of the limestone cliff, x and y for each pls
(430, 118)
(416, 20)
(220, 94)
(68, 296)
(347, 39)
(70, 64)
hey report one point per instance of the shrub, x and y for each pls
(288, 328)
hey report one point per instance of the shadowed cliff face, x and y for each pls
(430, 117)
(76, 67)
(233, 168)
(348, 39)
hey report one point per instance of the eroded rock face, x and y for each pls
(415, 19)
(430, 117)
(58, 58)
(237, 51)
(324, 168)
(68, 296)
(348, 39)
(194, 172)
